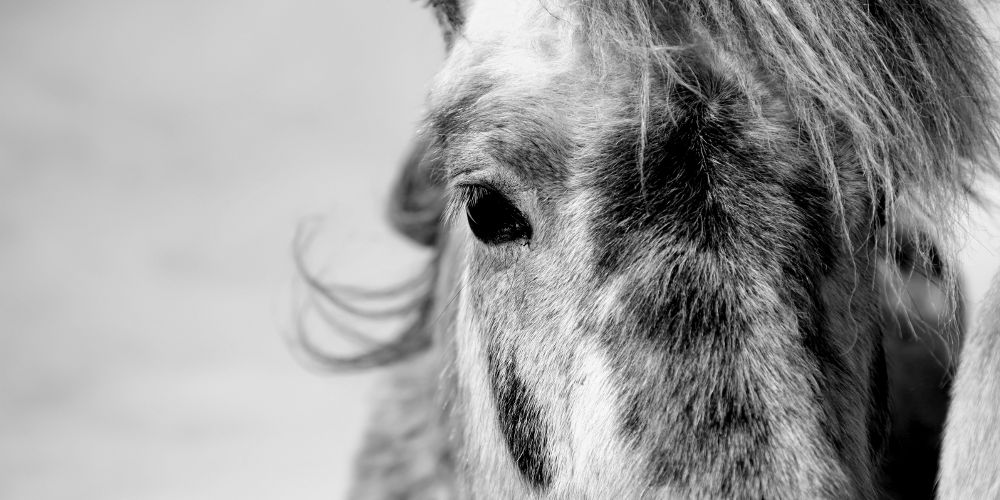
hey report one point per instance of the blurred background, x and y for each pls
(156, 158)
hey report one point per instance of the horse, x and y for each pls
(670, 244)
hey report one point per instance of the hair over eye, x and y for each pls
(493, 219)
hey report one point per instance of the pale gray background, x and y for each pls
(155, 158)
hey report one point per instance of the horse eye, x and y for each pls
(493, 219)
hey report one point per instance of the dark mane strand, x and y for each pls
(415, 210)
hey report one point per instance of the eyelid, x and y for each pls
(462, 193)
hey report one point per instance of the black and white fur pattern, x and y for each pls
(714, 189)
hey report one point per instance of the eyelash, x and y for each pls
(492, 217)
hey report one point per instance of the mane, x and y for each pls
(906, 85)
(902, 88)
(415, 211)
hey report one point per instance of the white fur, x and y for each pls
(522, 42)
(600, 457)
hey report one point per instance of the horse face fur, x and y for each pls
(677, 321)
(665, 234)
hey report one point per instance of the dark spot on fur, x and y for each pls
(702, 185)
(520, 420)
(725, 425)
(677, 189)
(691, 311)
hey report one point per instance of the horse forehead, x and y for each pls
(520, 17)
(519, 44)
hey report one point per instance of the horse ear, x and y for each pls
(449, 16)
(417, 202)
